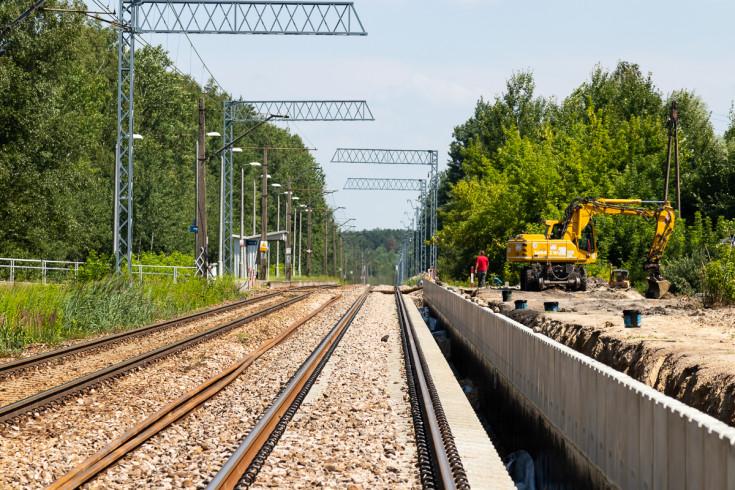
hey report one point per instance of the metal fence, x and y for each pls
(31, 270)
(175, 271)
(34, 269)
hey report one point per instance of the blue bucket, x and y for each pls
(551, 306)
(632, 318)
(507, 295)
(520, 304)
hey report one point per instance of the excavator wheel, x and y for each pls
(530, 280)
(582, 280)
(657, 287)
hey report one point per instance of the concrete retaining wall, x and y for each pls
(636, 436)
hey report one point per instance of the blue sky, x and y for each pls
(424, 65)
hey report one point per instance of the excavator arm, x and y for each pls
(581, 210)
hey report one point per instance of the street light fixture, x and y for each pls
(213, 133)
(136, 136)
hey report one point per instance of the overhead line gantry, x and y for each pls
(371, 184)
(256, 110)
(200, 17)
(401, 157)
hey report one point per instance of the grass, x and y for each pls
(31, 313)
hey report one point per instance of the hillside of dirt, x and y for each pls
(681, 348)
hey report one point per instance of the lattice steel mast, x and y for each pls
(200, 17)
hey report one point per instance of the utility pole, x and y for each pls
(200, 253)
(673, 134)
(288, 251)
(325, 244)
(334, 249)
(263, 247)
(308, 241)
(342, 256)
(242, 223)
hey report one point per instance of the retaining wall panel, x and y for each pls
(695, 464)
(636, 436)
(631, 452)
(715, 454)
(730, 466)
(677, 450)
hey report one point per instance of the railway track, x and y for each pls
(241, 469)
(12, 412)
(242, 423)
(174, 411)
(34, 362)
(439, 462)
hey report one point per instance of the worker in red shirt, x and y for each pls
(481, 265)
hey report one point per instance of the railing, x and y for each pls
(60, 269)
(44, 266)
(175, 270)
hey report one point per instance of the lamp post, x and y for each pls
(341, 255)
(292, 238)
(301, 222)
(230, 146)
(278, 225)
(334, 241)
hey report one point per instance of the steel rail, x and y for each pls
(15, 410)
(171, 413)
(446, 470)
(255, 448)
(27, 363)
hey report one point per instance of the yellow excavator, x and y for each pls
(558, 256)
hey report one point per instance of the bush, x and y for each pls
(719, 278)
(686, 273)
(96, 267)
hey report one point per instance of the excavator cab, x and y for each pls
(553, 229)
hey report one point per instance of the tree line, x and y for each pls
(521, 158)
(58, 84)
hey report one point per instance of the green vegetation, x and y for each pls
(58, 81)
(522, 158)
(51, 314)
(375, 252)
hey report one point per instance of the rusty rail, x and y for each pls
(247, 459)
(172, 412)
(66, 390)
(27, 363)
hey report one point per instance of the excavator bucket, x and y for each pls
(657, 287)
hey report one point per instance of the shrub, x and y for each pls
(686, 273)
(719, 278)
(96, 267)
